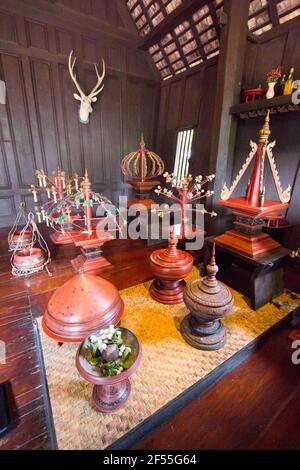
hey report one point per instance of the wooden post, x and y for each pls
(228, 88)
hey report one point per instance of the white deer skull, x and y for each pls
(86, 100)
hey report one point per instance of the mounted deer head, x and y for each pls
(86, 100)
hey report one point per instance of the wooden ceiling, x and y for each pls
(181, 34)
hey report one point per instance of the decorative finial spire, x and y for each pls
(212, 268)
(213, 255)
(142, 143)
(172, 243)
(265, 130)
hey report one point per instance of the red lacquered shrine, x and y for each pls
(251, 210)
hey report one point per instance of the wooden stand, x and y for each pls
(90, 241)
(143, 192)
(247, 237)
(91, 259)
(260, 278)
(170, 266)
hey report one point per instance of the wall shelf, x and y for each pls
(278, 104)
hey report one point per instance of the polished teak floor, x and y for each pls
(255, 406)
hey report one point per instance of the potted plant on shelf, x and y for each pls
(272, 78)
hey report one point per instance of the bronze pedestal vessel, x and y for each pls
(208, 300)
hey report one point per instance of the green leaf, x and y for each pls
(125, 354)
(88, 203)
(61, 218)
(79, 197)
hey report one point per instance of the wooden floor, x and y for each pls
(257, 406)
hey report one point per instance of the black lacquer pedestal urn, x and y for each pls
(208, 300)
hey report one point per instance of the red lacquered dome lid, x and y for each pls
(83, 304)
(171, 257)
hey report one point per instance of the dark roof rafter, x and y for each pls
(183, 12)
(273, 13)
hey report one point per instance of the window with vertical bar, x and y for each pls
(183, 152)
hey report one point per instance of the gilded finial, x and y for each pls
(142, 143)
(265, 130)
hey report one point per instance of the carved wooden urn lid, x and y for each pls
(208, 295)
(83, 304)
(171, 257)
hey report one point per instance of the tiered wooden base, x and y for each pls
(247, 237)
(167, 292)
(247, 244)
(208, 336)
(107, 398)
(91, 259)
(143, 192)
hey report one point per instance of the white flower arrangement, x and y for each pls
(107, 351)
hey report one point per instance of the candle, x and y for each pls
(47, 221)
(48, 192)
(63, 182)
(44, 180)
(76, 181)
(55, 180)
(39, 176)
(38, 215)
(54, 194)
(34, 193)
(43, 214)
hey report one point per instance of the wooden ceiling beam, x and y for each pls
(167, 59)
(213, 14)
(273, 12)
(197, 39)
(180, 14)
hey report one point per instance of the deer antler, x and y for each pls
(72, 63)
(95, 91)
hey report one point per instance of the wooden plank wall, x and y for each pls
(39, 126)
(279, 46)
(188, 101)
